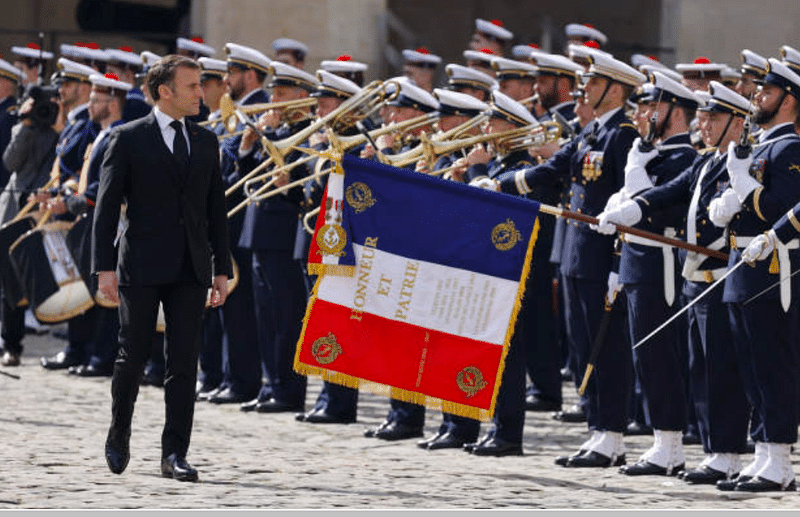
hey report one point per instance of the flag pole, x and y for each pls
(677, 243)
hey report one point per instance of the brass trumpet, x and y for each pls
(228, 109)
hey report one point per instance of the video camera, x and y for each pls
(44, 111)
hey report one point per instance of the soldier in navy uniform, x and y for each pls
(480, 60)
(74, 89)
(420, 66)
(464, 79)
(717, 390)
(405, 419)
(336, 404)
(31, 60)
(594, 164)
(126, 64)
(454, 109)
(491, 34)
(269, 232)
(196, 49)
(344, 66)
(504, 438)
(765, 324)
(106, 104)
(648, 273)
(246, 71)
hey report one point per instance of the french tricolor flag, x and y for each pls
(426, 284)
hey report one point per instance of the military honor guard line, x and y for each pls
(655, 184)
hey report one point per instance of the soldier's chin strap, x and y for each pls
(725, 131)
(605, 91)
(665, 122)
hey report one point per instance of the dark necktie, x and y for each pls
(179, 147)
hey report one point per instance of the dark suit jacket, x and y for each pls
(167, 213)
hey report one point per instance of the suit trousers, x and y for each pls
(183, 312)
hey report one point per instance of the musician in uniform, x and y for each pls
(344, 66)
(754, 68)
(336, 404)
(106, 105)
(211, 81)
(247, 69)
(765, 324)
(507, 118)
(464, 79)
(290, 52)
(126, 64)
(594, 164)
(455, 109)
(420, 66)
(80, 131)
(491, 34)
(89, 54)
(405, 419)
(480, 60)
(580, 33)
(647, 271)
(700, 72)
(269, 232)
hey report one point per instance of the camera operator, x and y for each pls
(29, 156)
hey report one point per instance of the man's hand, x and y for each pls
(627, 214)
(739, 171)
(478, 155)
(760, 247)
(24, 110)
(722, 209)
(219, 290)
(108, 285)
(485, 183)
(281, 179)
(544, 151)
(57, 206)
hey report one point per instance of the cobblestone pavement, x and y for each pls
(53, 425)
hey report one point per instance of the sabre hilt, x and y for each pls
(744, 147)
(646, 145)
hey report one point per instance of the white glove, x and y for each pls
(636, 178)
(722, 209)
(760, 247)
(616, 199)
(613, 286)
(487, 183)
(626, 214)
(739, 171)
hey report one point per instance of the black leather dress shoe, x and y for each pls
(645, 468)
(372, 432)
(497, 447)
(562, 460)
(117, 451)
(152, 378)
(423, 444)
(323, 417)
(637, 429)
(60, 361)
(175, 467)
(91, 370)
(228, 396)
(534, 403)
(759, 484)
(575, 414)
(591, 459)
(469, 447)
(250, 405)
(729, 485)
(275, 406)
(690, 439)
(447, 441)
(206, 392)
(396, 431)
(704, 475)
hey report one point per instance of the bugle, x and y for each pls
(307, 217)
(228, 109)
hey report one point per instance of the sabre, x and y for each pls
(773, 286)
(688, 306)
(13, 376)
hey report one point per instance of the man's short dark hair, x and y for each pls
(163, 72)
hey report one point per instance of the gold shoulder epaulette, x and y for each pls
(628, 124)
(707, 150)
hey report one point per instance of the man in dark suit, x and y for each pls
(176, 224)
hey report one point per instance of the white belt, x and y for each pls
(784, 264)
(669, 260)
